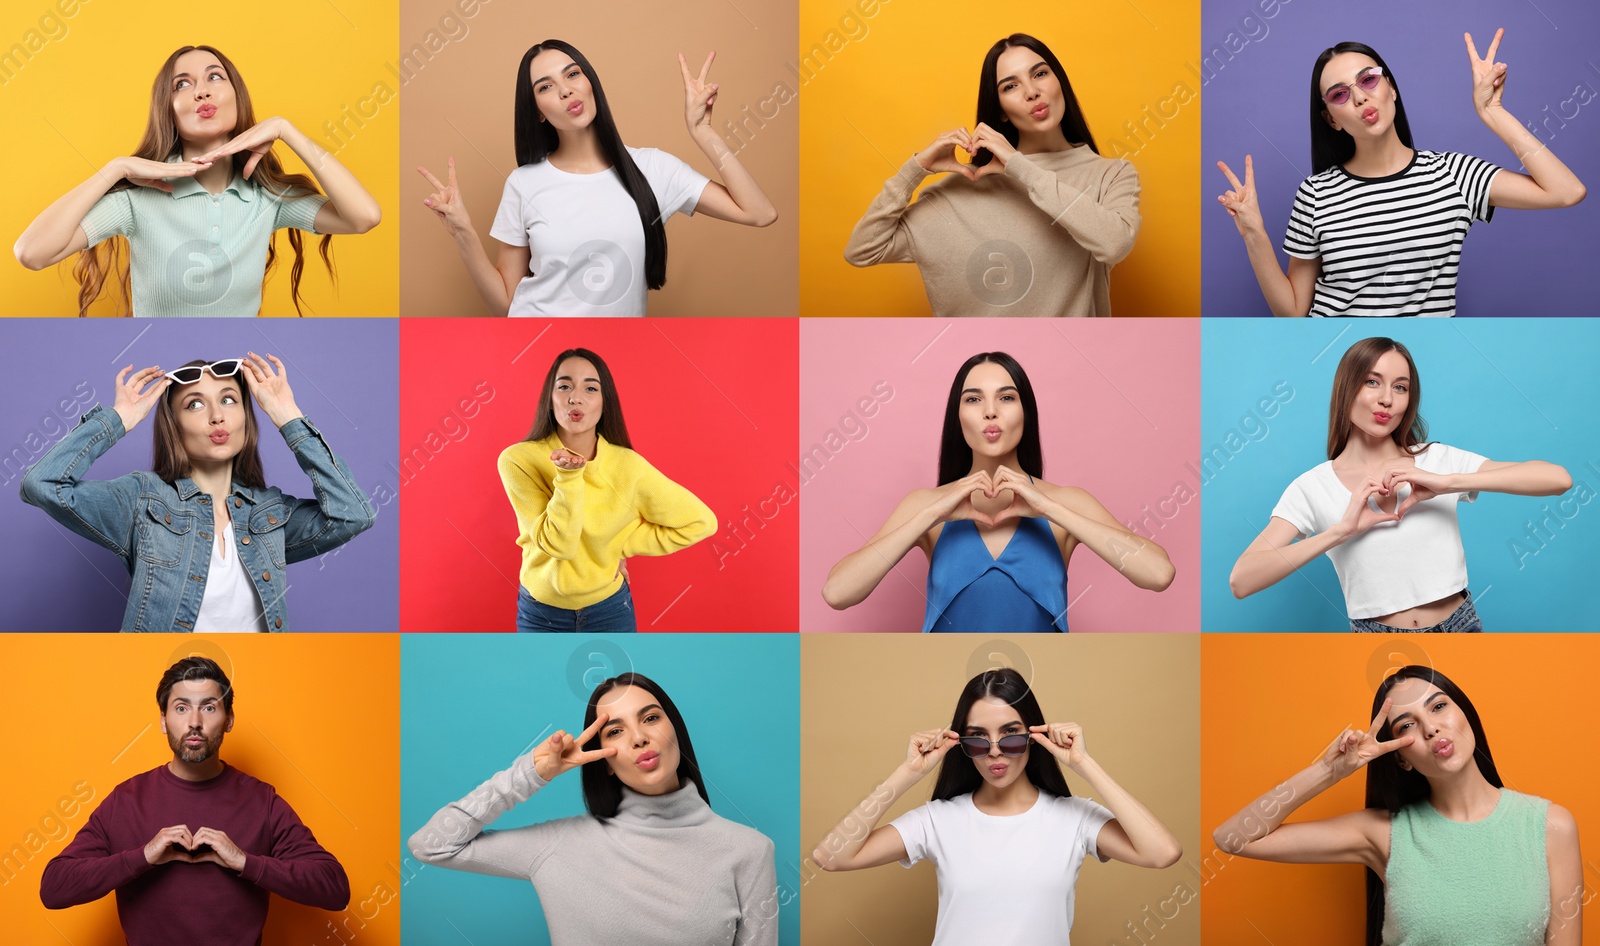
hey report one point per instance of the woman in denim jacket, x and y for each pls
(204, 537)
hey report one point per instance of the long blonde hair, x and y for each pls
(161, 142)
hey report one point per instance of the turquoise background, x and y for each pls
(472, 703)
(1509, 389)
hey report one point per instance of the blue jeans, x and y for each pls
(614, 615)
(1463, 620)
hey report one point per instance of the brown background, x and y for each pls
(460, 104)
(863, 695)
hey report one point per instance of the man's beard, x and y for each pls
(206, 750)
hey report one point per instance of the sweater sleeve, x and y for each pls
(1106, 225)
(673, 517)
(457, 836)
(550, 517)
(102, 511)
(297, 868)
(883, 234)
(87, 869)
(757, 885)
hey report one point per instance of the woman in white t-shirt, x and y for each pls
(1004, 832)
(1377, 228)
(1383, 507)
(581, 225)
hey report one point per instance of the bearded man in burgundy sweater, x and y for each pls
(193, 847)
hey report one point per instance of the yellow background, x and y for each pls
(914, 74)
(315, 715)
(83, 98)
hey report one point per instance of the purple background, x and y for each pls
(1523, 263)
(343, 377)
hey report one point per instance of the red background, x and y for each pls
(709, 402)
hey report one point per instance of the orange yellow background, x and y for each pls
(82, 95)
(1273, 702)
(895, 75)
(316, 716)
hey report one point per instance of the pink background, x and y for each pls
(1120, 417)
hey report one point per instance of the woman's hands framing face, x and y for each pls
(133, 401)
(446, 201)
(927, 749)
(562, 753)
(1065, 742)
(1354, 748)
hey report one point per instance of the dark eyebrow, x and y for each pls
(1358, 75)
(1375, 373)
(1001, 390)
(568, 377)
(1010, 78)
(1436, 695)
(562, 69)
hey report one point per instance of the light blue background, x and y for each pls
(472, 703)
(1509, 389)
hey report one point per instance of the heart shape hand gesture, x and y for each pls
(205, 846)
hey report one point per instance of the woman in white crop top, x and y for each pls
(1383, 507)
(581, 225)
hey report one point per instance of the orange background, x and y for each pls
(315, 715)
(460, 103)
(907, 72)
(1273, 702)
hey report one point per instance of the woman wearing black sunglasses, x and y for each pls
(1377, 228)
(203, 535)
(1002, 826)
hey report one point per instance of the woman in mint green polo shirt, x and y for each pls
(198, 203)
(1453, 857)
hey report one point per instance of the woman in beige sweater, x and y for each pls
(1033, 225)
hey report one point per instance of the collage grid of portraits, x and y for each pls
(1003, 481)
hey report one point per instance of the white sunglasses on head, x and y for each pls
(226, 368)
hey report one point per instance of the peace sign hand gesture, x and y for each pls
(133, 402)
(1241, 201)
(698, 95)
(1354, 748)
(1488, 76)
(562, 753)
(447, 202)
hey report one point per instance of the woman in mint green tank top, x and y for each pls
(1453, 857)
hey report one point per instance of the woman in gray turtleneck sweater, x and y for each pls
(650, 865)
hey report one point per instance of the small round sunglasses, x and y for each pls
(1366, 82)
(1012, 745)
(226, 368)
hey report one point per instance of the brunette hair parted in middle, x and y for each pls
(1412, 431)
(161, 142)
(958, 773)
(1073, 125)
(955, 454)
(611, 426)
(602, 791)
(171, 462)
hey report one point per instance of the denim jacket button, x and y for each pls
(266, 576)
(277, 622)
(245, 540)
(169, 520)
(272, 520)
(237, 502)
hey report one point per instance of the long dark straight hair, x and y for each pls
(611, 426)
(1392, 788)
(958, 773)
(1411, 434)
(170, 461)
(955, 454)
(536, 139)
(1329, 145)
(602, 791)
(1073, 124)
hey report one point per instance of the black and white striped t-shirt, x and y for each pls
(1389, 245)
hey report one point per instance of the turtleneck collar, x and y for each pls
(680, 809)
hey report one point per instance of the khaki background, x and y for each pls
(861, 697)
(460, 102)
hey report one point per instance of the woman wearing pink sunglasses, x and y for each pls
(203, 535)
(1377, 228)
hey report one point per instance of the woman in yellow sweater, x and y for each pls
(585, 503)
